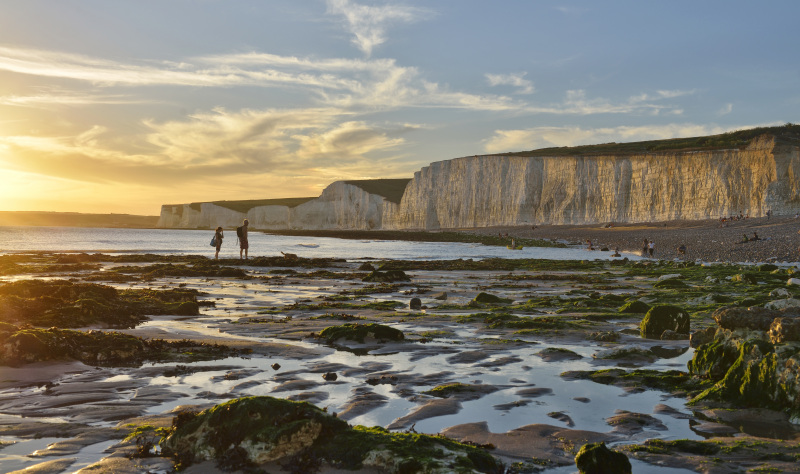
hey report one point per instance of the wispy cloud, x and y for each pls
(368, 23)
(728, 108)
(516, 80)
(544, 137)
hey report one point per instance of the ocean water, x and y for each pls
(197, 242)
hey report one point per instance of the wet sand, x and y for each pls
(705, 240)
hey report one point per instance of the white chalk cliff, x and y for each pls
(481, 191)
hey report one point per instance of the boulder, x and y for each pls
(783, 304)
(635, 306)
(793, 281)
(758, 319)
(780, 293)
(442, 296)
(702, 336)
(596, 458)
(784, 329)
(671, 276)
(661, 318)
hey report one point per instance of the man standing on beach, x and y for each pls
(243, 244)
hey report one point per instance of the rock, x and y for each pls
(366, 267)
(442, 296)
(661, 318)
(793, 281)
(415, 303)
(780, 293)
(670, 335)
(783, 304)
(275, 366)
(784, 329)
(486, 298)
(702, 336)
(563, 417)
(758, 319)
(671, 276)
(387, 276)
(330, 376)
(596, 458)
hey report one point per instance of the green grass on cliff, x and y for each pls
(737, 139)
(391, 189)
(244, 206)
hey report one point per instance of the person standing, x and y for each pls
(218, 236)
(644, 248)
(651, 248)
(243, 244)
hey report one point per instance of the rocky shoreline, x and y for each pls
(706, 240)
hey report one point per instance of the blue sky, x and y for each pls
(121, 106)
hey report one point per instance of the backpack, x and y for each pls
(239, 232)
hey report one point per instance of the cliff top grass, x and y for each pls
(391, 189)
(246, 205)
(789, 133)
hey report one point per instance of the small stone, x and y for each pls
(275, 366)
(330, 376)
(439, 296)
(415, 303)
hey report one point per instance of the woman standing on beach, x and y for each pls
(218, 236)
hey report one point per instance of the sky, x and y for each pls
(122, 106)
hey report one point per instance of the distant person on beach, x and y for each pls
(769, 213)
(682, 249)
(745, 238)
(644, 248)
(651, 248)
(218, 236)
(589, 245)
(755, 236)
(243, 244)
(616, 252)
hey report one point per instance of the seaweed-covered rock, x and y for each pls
(247, 432)
(358, 332)
(415, 303)
(387, 276)
(488, 298)
(661, 318)
(596, 458)
(635, 306)
(702, 336)
(670, 284)
(758, 319)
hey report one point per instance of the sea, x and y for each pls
(27, 239)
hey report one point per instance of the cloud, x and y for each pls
(545, 137)
(516, 80)
(725, 110)
(368, 23)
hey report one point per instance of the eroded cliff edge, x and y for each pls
(583, 188)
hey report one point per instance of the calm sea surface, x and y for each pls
(180, 242)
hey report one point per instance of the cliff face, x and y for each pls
(483, 191)
(340, 206)
(496, 190)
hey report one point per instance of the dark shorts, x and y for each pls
(219, 244)
(243, 244)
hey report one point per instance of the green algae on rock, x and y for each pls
(358, 332)
(635, 306)
(671, 381)
(596, 458)
(69, 305)
(24, 345)
(248, 432)
(662, 318)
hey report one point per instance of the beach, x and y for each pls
(532, 357)
(705, 240)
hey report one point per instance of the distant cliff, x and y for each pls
(698, 178)
(361, 205)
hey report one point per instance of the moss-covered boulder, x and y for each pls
(758, 319)
(488, 298)
(387, 276)
(672, 283)
(248, 432)
(596, 458)
(662, 318)
(634, 306)
(358, 332)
